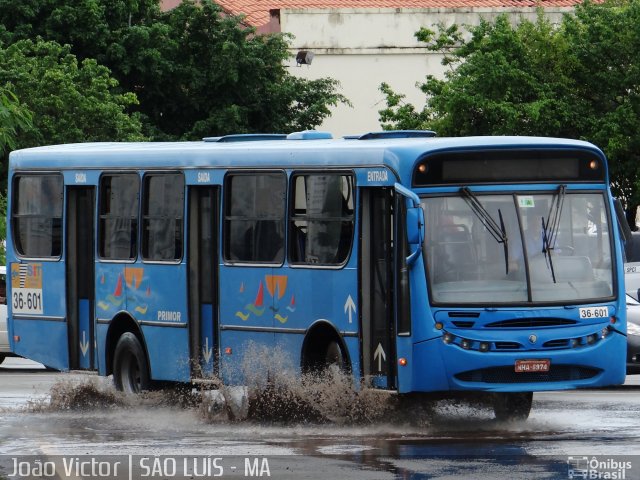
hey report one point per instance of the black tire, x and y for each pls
(130, 366)
(2, 357)
(511, 407)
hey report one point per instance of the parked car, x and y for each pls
(632, 279)
(633, 335)
(4, 337)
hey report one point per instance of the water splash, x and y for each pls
(89, 394)
(277, 392)
(273, 392)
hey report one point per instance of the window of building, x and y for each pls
(162, 216)
(254, 217)
(321, 220)
(118, 230)
(37, 215)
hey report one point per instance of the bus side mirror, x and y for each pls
(414, 222)
(415, 232)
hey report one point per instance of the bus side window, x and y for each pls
(321, 219)
(254, 217)
(118, 229)
(162, 216)
(37, 215)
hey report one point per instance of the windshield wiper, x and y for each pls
(551, 227)
(546, 248)
(553, 219)
(498, 232)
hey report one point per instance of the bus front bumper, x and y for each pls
(588, 366)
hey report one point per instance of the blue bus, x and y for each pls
(416, 263)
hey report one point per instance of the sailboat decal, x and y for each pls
(257, 307)
(292, 304)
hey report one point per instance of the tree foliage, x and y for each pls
(195, 70)
(14, 118)
(578, 79)
(70, 101)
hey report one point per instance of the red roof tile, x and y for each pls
(257, 11)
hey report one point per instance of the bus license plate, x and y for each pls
(533, 366)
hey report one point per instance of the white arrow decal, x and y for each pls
(350, 307)
(206, 351)
(84, 345)
(381, 356)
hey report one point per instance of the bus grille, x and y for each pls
(559, 373)
(564, 343)
(507, 346)
(531, 322)
(463, 324)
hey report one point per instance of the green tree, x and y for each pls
(90, 26)
(195, 70)
(69, 101)
(14, 118)
(578, 79)
(503, 80)
(203, 73)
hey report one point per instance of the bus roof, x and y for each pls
(400, 154)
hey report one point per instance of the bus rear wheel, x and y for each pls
(512, 406)
(130, 367)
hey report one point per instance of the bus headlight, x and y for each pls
(448, 338)
(484, 347)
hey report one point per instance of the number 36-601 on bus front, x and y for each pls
(594, 312)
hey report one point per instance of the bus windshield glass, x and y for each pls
(518, 248)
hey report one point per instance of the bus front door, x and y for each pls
(203, 280)
(377, 281)
(80, 248)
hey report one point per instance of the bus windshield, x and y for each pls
(513, 248)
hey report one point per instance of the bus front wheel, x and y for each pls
(512, 406)
(130, 368)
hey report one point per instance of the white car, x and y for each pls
(633, 336)
(4, 337)
(632, 278)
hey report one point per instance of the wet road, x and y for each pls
(451, 440)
